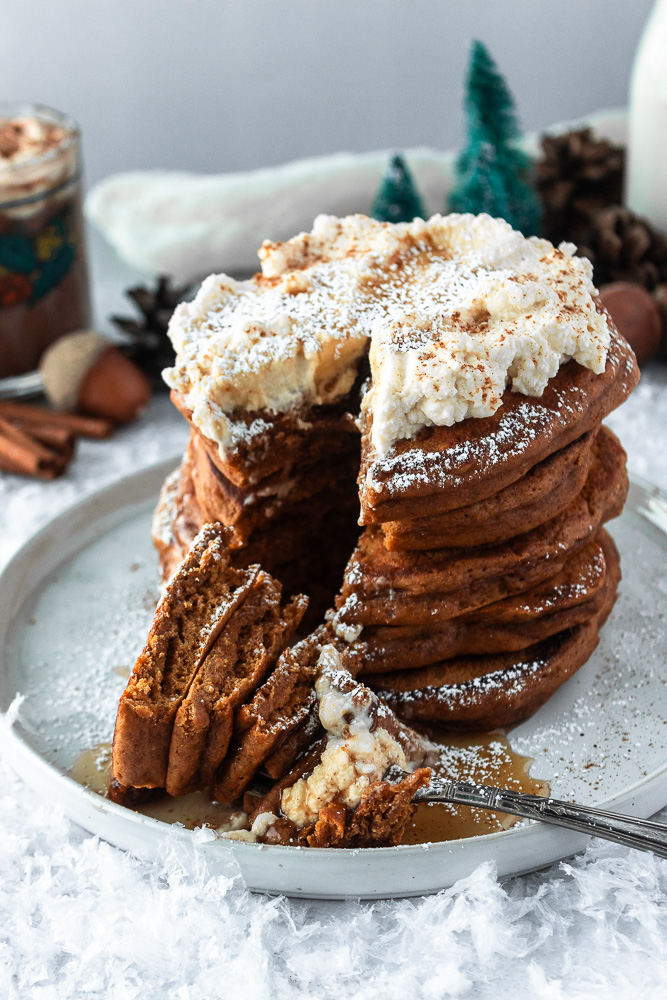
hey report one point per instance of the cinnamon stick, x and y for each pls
(51, 472)
(91, 427)
(23, 454)
(59, 439)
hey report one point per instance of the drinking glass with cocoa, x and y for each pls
(43, 273)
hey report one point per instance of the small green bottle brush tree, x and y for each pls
(397, 198)
(492, 174)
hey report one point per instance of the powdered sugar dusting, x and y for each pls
(511, 680)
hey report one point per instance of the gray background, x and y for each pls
(216, 85)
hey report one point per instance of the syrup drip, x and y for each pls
(482, 758)
(93, 769)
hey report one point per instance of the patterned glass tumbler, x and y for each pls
(43, 272)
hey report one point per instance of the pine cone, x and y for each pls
(577, 177)
(147, 343)
(623, 246)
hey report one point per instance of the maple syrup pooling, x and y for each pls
(480, 758)
(92, 768)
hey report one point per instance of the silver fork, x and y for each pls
(642, 834)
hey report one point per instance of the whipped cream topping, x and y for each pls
(239, 830)
(24, 138)
(455, 310)
(36, 155)
(359, 749)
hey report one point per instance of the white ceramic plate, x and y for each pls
(75, 606)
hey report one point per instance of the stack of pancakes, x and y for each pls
(442, 508)
(484, 573)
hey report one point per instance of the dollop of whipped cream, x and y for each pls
(456, 309)
(36, 155)
(24, 138)
(359, 749)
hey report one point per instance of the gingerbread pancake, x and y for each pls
(443, 468)
(541, 494)
(421, 588)
(379, 820)
(569, 598)
(483, 692)
(275, 444)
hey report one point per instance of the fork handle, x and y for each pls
(642, 834)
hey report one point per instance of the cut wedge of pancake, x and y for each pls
(244, 652)
(198, 602)
(216, 634)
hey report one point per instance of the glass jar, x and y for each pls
(43, 273)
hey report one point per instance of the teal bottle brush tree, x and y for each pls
(492, 174)
(397, 198)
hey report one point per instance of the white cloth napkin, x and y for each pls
(190, 225)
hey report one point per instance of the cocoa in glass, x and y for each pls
(43, 273)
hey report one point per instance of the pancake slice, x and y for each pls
(197, 603)
(282, 704)
(291, 749)
(242, 656)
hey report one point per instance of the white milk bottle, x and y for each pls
(646, 186)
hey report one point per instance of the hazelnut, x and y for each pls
(636, 315)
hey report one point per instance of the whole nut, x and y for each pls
(636, 315)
